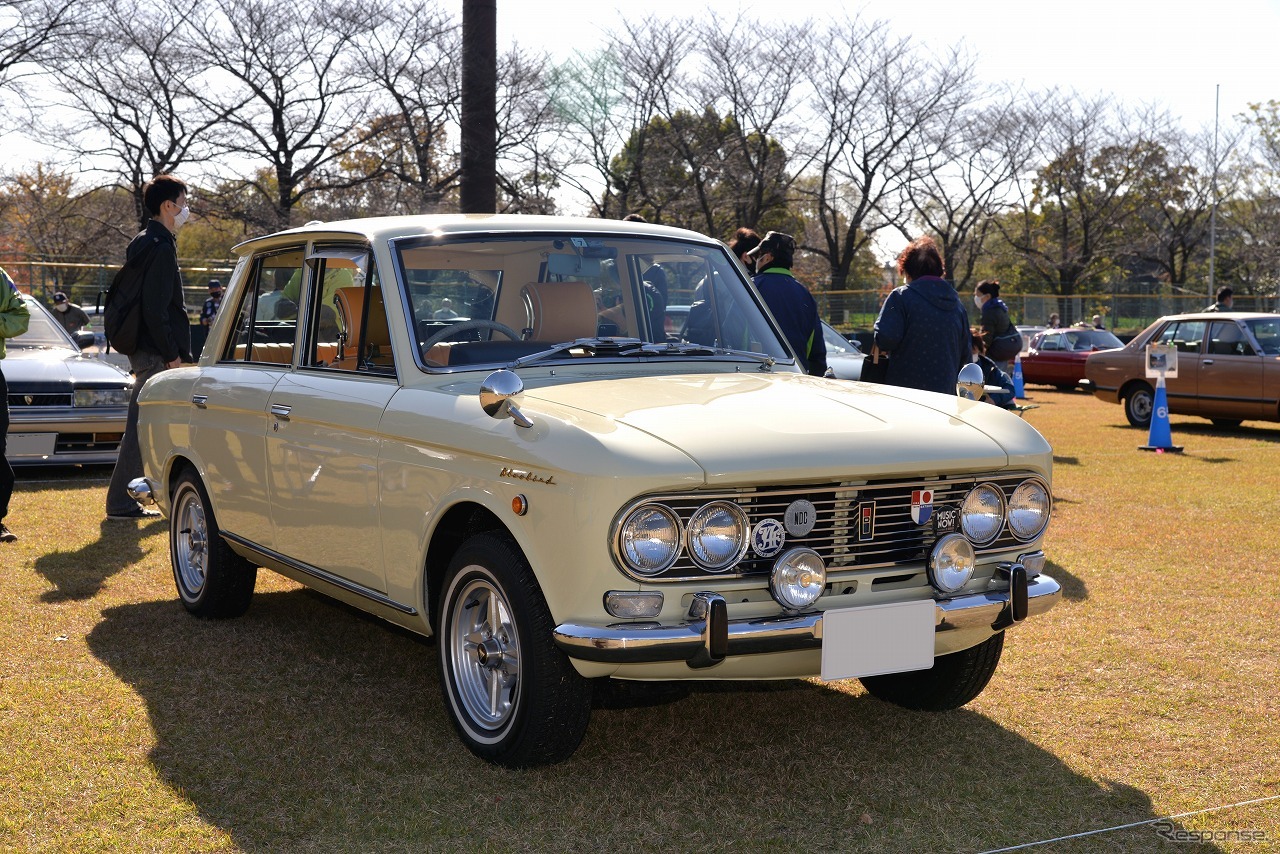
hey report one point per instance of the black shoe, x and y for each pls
(136, 513)
(6, 536)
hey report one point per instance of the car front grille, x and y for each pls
(858, 525)
(20, 400)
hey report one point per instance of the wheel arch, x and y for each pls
(460, 522)
(1131, 386)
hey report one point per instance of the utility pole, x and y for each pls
(478, 182)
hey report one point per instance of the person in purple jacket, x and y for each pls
(923, 326)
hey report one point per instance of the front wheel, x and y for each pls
(213, 581)
(1138, 404)
(514, 697)
(953, 680)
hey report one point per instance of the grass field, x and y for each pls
(1150, 691)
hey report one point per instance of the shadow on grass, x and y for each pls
(1073, 589)
(80, 574)
(1065, 461)
(306, 726)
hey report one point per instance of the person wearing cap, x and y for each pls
(70, 315)
(790, 302)
(212, 303)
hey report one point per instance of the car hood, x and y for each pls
(774, 426)
(56, 365)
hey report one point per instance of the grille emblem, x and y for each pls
(866, 520)
(28, 399)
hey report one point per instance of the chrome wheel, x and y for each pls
(212, 580)
(190, 544)
(1138, 406)
(485, 657)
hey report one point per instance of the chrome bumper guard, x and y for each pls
(709, 635)
(140, 490)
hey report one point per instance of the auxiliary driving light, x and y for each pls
(798, 579)
(951, 563)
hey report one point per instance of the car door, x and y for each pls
(1187, 338)
(1230, 384)
(230, 400)
(323, 443)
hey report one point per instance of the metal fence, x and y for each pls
(1124, 307)
(83, 283)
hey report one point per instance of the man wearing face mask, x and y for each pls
(70, 315)
(164, 339)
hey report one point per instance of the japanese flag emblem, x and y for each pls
(921, 505)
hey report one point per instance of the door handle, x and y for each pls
(1207, 362)
(200, 401)
(279, 410)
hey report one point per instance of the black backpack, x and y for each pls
(122, 309)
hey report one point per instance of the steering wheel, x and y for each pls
(469, 326)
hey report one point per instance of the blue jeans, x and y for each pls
(144, 366)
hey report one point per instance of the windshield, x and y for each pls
(837, 344)
(42, 331)
(494, 299)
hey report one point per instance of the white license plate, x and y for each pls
(30, 444)
(876, 639)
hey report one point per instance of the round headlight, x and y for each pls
(649, 539)
(798, 579)
(951, 563)
(1029, 509)
(717, 535)
(982, 514)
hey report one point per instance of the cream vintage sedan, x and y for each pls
(476, 428)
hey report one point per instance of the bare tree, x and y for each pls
(957, 193)
(1071, 213)
(875, 101)
(128, 84)
(287, 62)
(413, 58)
(29, 29)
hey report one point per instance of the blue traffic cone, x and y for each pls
(1160, 439)
(1018, 391)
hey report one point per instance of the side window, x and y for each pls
(1226, 339)
(349, 332)
(1051, 342)
(1185, 335)
(266, 323)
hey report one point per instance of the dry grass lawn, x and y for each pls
(1150, 691)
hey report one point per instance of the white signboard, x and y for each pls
(1162, 361)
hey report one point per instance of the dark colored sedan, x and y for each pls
(1057, 357)
(64, 407)
(1228, 369)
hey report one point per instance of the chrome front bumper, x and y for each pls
(709, 636)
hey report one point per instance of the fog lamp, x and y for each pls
(798, 579)
(632, 604)
(951, 563)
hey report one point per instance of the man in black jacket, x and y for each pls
(164, 340)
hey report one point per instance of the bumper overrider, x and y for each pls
(709, 636)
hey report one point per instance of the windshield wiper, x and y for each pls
(636, 347)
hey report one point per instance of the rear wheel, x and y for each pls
(213, 581)
(953, 680)
(1138, 404)
(514, 697)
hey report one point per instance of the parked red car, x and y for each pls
(1056, 356)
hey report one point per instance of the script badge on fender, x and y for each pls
(921, 505)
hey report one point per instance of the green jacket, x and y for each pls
(14, 314)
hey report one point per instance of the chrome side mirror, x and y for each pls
(499, 395)
(969, 383)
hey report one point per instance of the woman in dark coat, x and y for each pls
(923, 326)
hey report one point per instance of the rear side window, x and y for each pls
(266, 325)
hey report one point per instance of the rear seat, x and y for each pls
(282, 354)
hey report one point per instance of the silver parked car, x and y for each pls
(64, 407)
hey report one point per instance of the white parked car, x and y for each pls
(562, 495)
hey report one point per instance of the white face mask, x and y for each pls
(182, 216)
(62, 306)
(978, 300)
